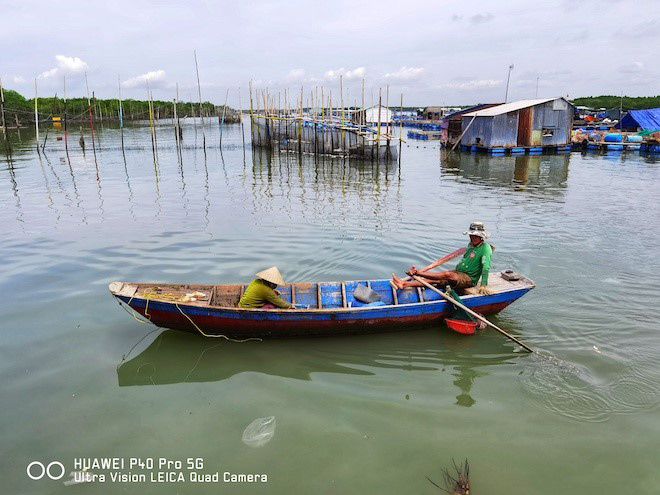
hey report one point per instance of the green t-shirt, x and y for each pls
(258, 293)
(476, 262)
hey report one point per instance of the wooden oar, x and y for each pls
(468, 310)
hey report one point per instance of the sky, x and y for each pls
(431, 52)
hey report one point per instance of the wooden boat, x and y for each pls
(325, 308)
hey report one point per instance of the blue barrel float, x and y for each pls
(516, 151)
(497, 151)
(535, 151)
(613, 137)
(634, 139)
(614, 147)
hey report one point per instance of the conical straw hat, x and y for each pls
(272, 275)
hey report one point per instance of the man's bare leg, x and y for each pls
(430, 277)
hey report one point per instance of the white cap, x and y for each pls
(478, 229)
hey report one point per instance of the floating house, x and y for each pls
(433, 113)
(521, 124)
(372, 115)
(645, 120)
(452, 124)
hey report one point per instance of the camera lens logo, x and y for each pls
(37, 470)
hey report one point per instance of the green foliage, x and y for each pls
(78, 108)
(608, 101)
(14, 100)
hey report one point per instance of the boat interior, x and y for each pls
(305, 295)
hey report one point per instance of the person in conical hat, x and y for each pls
(261, 292)
(475, 265)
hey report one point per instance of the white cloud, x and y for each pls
(295, 75)
(19, 79)
(48, 73)
(65, 65)
(70, 64)
(357, 73)
(406, 74)
(156, 76)
(474, 84)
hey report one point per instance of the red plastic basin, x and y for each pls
(462, 326)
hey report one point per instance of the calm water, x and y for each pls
(373, 414)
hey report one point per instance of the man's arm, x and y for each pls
(485, 270)
(445, 259)
(273, 298)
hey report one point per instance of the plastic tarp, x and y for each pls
(646, 119)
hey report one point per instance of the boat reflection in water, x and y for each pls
(178, 357)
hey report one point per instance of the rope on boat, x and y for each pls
(214, 336)
(170, 297)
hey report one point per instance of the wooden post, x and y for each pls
(224, 109)
(240, 116)
(199, 91)
(66, 145)
(387, 127)
(36, 114)
(300, 124)
(400, 128)
(380, 99)
(4, 122)
(121, 114)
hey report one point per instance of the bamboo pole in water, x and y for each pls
(341, 102)
(400, 128)
(199, 90)
(4, 122)
(36, 114)
(251, 113)
(66, 144)
(176, 127)
(151, 122)
(154, 113)
(240, 104)
(387, 127)
(300, 125)
(121, 114)
(380, 100)
(224, 110)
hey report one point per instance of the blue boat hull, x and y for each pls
(241, 323)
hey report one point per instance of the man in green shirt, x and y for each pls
(261, 292)
(474, 265)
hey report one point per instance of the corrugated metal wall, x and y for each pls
(481, 128)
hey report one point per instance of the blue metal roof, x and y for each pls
(646, 119)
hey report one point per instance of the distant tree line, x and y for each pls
(18, 107)
(609, 101)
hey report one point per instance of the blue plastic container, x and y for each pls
(536, 150)
(614, 147)
(613, 138)
(654, 148)
(515, 151)
(634, 139)
(592, 146)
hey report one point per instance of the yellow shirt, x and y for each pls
(258, 293)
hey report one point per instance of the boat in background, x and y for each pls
(324, 308)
